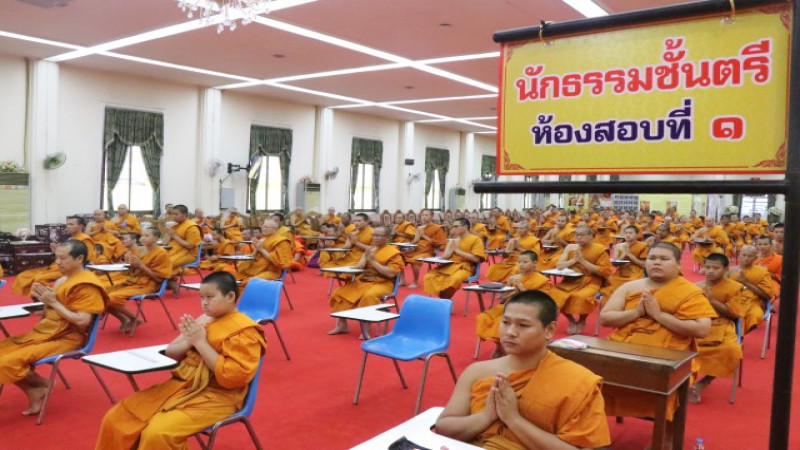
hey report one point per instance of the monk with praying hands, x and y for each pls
(381, 264)
(124, 222)
(465, 250)
(524, 241)
(232, 225)
(428, 236)
(65, 324)
(219, 353)
(759, 287)
(273, 254)
(359, 239)
(222, 247)
(530, 398)
(100, 230)
(184, 237)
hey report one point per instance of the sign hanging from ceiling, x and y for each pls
(698, 96)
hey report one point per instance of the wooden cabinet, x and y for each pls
(23, 255)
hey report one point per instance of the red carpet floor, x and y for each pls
(306, 403)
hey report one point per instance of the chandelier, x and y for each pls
(225, 13)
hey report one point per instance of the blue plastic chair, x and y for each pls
(282, 279)
(261, 301)
(393, 295)
(139, 299)
(738, 373)
(421, 332)
(474, 279)
(192, 265)
(767, 329)
(2, 283)
(243, 415)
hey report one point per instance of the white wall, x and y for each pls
(12, 108)
(428, 136)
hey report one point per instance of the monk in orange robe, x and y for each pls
(530, 398)
(559, 236)
(527, 279)
(593, 262)
(47, 275)
(272, 256)
(206, 224)
(219, 353)
(332, 218)
(778, 231)
(663, 310)
(124, 222)
(697, 222)
(465, 250)
(631, 250)
(334, 239)
(149, 265)
(716, 238)
(428, 236)
(358, 241)
(301, 223)
(760, 287)
(497, 236)
(381, 264)
(232, 225)
(684, 231)
(479, 228)
(769, 258)
(300, 256)
(605, 230)
(500, 271)
(222, 247)
(184, 236)
(67, 318)
(403, 230)
(283, 230)
(100, 231)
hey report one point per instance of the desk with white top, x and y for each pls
(16, 311)
(368, 315)
(417, 430)
(130, 362)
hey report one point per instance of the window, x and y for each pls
(364, 189)
(434, 198)
(268, 193)
(488, 173)
(133, 187)
(754, 204)
(529, 200)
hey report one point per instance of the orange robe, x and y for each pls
(300, 257)
(233, 233)
(352, 257)
(206, 225)
(626, 272)
(488, 322)
(127, 224)
(301, 226)
(605, 233)
(333, 220)
(370, 286)
(195, 397)
(754, 305)
(224, 248)
(720, 245)
(137, 282)
(581, 291)
(425, 248)
(53, 334)
(326, 257)
(774, 265)
(481, 229)
(407, 228)
(449, 277)
(112, 246)
(47, 275)
(499, 272)
(497, 238)
(280, 252)
(559, 396)
(683, 300)
(720, 351)
(189, 232)
(549, 258)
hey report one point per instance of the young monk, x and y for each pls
(465, 250)
(232, 225)
(560, 236)
(222, 247)
(219, 353)
(719, 352)
(778, 231)
(664, 310)
(358, 241)
(184, 238)
(631, 250)
(530, 398)
(100, 231)
(428, 237)
(272, 256)
(716, 238)
(403, 230)
(149, 264)
(759, 287)
(593, 262)
(68, 312)
(527, 279)
(524, 241)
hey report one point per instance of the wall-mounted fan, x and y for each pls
(55, 160)
(214, 166)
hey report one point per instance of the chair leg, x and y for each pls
(48, 391)
(741, 370)
(280, 338)
(211, 438)
(102, 383)
(450, 364)
(766, 338)
(466, 304)
(330, 287)
(733, 386)
(422, 383)
(478, 348)
(360, 378)
(252, 432)
(63, 379)
(169, 316)
(286, 293)
(105, 319)
(200, 441)
(291, 275)
(400, 374)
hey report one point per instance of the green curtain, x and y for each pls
(271, 141)
(436, 159)
(591, 177)
(563, 178)
(125, 128)
(366, 151)
(614, 178)
(488, 166)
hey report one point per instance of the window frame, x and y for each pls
(434, 189)
(362, 167)
(104, 195)
(265, 165)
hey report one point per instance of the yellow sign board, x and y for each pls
(698, 96)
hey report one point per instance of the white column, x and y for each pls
(324, 158)
(207, 187)
(468, 169)
(404, 197)
(42, 138)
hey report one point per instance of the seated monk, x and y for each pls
(664, 235)
(716, 237)
(149, 264)
(525, 240)
(100, 231)
(479, 228)
(664, 310)
(67, 318)
(381, 264)
(530, 398)
(497, 236)
(719, 352)
(301, 224)
(47, 275)
(428, 236)
(272, 254)
(358, 241)
(759, 285)
(232, 225)
(527, 279)
(336, 240)
(124, 222)
(283, 230)
(631, 250)
(301, 255)
(246, 246)
(222, 247)
(605, 230)
(206, 224)
(769, 258)
(331, 218)
(465, 250)
(184, 237)
(219, 353)
(778, 231)
(593, 262)
(403, 230)
(560, 236)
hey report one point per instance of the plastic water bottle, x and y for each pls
(698, 445)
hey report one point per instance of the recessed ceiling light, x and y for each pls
(493, 108)
(409, 87)
(587, 7)
(445, 25)
(278, 55)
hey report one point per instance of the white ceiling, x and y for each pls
(401, 47)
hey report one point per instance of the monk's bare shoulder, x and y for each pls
(484, 369)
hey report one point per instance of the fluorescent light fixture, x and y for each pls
(448, 59)
(462, 118)
(424, 100)
(175, 66)
(587, 7)
(320, 93)
(23, 37)
(330, 73)
(486, 132)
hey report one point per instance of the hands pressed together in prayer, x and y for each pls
(192, 329)
(648, 305)
(44, 294)
(501, 402)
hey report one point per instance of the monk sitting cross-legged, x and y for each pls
(530, 398)
(524, 241)
(465, 250)
(219, 352)
(184, 237)
(759, 286)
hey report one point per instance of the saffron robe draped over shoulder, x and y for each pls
(549, 258)
(136, 282)
(500, 271)
(426, 248)
(47, 275)
(352, 257)
(559, 396)
(753, 304)
(82, 292)
(626, 272)
(127, 224)
(189, 232)
(234, 232)
(720, 352)
(195, 397)
(581, 291)
(224, 248)
(683, 300)
(370, 286)
(281, 252)
(448, 277)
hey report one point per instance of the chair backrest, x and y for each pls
(475, 276)
(261, 299)
(252, 392)
(283, 275)
(2, 283)
(739, 335)
(397, 280)
(425, 318)
(93, 331)
(163, 289)
(199, 253)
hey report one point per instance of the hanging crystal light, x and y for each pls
(225, 12)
